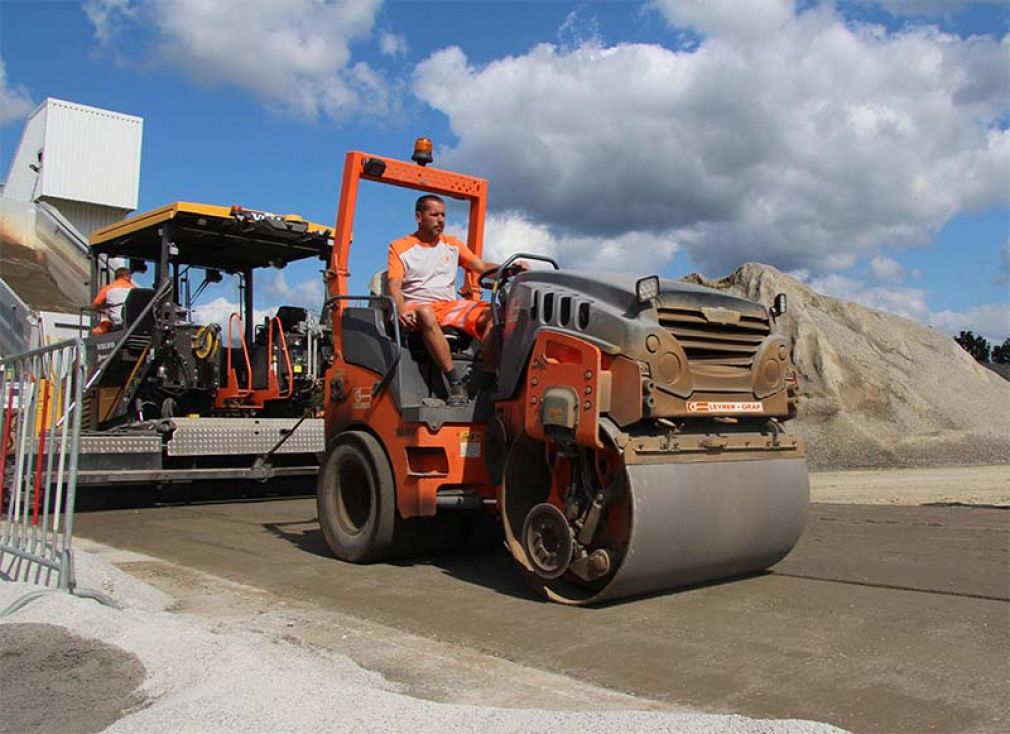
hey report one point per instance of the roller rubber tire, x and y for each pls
(356, 499)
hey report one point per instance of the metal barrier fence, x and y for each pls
(41, 399)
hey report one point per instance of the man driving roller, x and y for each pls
(421, 272)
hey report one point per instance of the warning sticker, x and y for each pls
(362, 398)
(704, 406)
(469, 444)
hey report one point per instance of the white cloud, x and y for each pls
(509, 233)
(392, 44)
(885, 268)
(789, 138)
(728, 18)
(215, 312)
(15, 101)
(307, 293)
(903, 301)
(219, 310)
(991, 321)
(109, 17)
(277, 286)
(578, 30)
(294, 55)
(933, 8)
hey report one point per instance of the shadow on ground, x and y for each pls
(477, 557)
(96, 499)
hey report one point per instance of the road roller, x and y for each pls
(628, 437)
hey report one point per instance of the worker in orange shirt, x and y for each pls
(111, 298)
(421, 273)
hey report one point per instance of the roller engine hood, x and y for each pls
(618, 290)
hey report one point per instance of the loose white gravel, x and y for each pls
(211, 677)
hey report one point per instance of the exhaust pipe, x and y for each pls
(462, 501)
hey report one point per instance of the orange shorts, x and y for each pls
(462, 315)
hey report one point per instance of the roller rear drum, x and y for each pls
(663, 526)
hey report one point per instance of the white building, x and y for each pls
(76, 169)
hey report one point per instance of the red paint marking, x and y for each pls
(3, 448)
(42, 450)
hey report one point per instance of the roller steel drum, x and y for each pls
(696, 522)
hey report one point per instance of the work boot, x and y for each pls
(457, 395)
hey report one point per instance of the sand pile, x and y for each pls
(25, 271)
(879, 390)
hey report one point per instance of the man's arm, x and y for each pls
(99, 301)
(405, 313)
(469, 261)
(394, 284)
(476, 265)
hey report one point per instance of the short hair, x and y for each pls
(422, 202)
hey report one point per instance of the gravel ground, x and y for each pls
(985, 486)
(143, 667)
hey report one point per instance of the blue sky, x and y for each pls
(862, 146)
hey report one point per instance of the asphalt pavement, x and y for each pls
(887, 619)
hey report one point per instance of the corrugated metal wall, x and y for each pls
(22, 179)
(104, 171)
(86, 218)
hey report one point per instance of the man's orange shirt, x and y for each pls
(111, 298)
(428, 270)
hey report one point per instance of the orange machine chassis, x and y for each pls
(423, 460)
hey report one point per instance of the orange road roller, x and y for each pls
(627, 439)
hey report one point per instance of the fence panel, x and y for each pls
(41, 397)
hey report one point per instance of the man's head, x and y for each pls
(120, 267)
(430, 213)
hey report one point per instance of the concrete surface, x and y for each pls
(954, 485)
(882, 619)
(202, 675)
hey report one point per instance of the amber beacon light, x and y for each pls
(422, 152)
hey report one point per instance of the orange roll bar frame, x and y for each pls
(409, 176)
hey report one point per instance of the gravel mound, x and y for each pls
(95, 574)
(204, 677)
(94, 683)
(26, 272)
(876, 389)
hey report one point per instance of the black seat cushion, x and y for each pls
(291, 316)
(136, 300)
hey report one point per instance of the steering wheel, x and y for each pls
(496, 278)
(490, 278)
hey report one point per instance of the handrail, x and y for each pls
(245, 352)
(284, 348)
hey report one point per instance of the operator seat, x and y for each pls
(136, 301)
(459, 341)
(291, 316)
